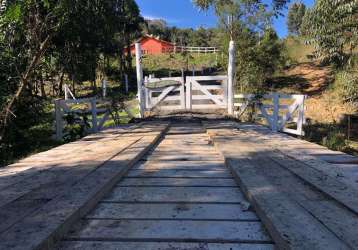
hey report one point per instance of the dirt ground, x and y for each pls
(323, 105)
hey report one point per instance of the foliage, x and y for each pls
(160, 65)
(297, 50)
(335, 140)
(199, 37)
(332, 27)
(259, 50)
(47, 43)
(346, 84)
(277, 5)
(296, 12)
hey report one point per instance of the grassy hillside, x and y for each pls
(325, 106)
(162, 64)
(297, 50)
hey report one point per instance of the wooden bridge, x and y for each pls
(185, 183)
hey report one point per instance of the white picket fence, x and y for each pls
(276, 114)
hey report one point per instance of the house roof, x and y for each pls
(152, 37)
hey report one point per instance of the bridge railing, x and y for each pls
(278, 110)
(64, 107)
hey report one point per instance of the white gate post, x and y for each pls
(138, 52)
(182, 91)
(188, 100)
(66, 92)
(276, 109)
(146, 93)
(231, 76)
(301, 115)
(104, 88)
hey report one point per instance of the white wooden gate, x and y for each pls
(206, 92)
(195, 93)
(170, 98)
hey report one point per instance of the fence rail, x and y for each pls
(205, 50)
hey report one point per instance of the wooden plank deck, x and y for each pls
(186, 201)
(42, 195)
(199, 185)
(305, 201)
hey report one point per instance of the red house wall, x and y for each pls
(152, 46)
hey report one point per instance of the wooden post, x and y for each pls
(59, 120)
(126, 83)
(170, 73)
(231, 76)
(104, 88)
(301, 115)
(182, 91)
(146, 92)
(188, 99)
(66, 92)
(94, 115)
(276, 109)
(139, 79)
(193, 69)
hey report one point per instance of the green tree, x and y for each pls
(205, 4)
(296, 12)
(259, 50)
(200, 38)
(332, 27)
(44, 43)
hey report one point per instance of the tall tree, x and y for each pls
(332, 27)
(296, 12)
(46, 42)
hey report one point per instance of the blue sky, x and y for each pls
(183, 14)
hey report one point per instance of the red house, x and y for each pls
(152, 46)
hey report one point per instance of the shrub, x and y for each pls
(335, 140)
(346, 84)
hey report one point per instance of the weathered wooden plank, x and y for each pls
(60, 156)
(64, 175)
(175, 194)
(187, 165)
(339, 220)
(159, 230)
(223, 173)
(183, 157)
(290, 225)
(95, 245)
(300, 150)
(338, 190)
(49, 223)
(172, 211)
(180, 151)
(178, 182)
(15, 211)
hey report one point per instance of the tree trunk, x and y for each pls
(23, 83)
(60, 84)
